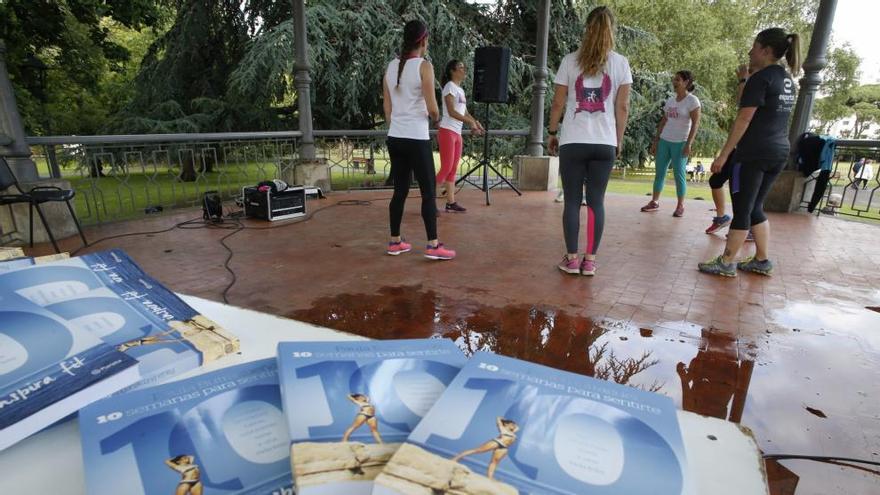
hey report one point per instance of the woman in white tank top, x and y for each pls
(409, 101)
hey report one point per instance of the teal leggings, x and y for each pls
(670, 152)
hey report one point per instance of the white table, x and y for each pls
(724, 460)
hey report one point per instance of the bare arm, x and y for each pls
(621, 113)
(173, 466)
(556, 109)
(743, 118)
(656, 139)
(386, 100)
(449, 100)
(695, 124)
(427, 72)
(498, 423)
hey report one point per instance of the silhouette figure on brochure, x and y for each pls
(190, 477)
(366, 414)
(498, 446)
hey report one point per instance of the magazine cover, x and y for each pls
(49, 369)
(107, 294)
(14, 263)
(218, 433)
(349, 405)
(506, 426)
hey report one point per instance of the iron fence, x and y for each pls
(851, 189)
(124, 177)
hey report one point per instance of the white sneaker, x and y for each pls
(560, 197)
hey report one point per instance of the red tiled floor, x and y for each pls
(761, 350)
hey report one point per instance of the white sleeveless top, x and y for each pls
(409, 112)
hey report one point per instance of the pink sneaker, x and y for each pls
(396, 248)
(651, 206)
(439, 253)
(588, 267)
(569, 265)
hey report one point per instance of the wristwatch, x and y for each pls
(742, 80)
(552, 133)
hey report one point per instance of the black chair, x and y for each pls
(35, 197)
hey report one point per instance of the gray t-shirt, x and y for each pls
(772, 90)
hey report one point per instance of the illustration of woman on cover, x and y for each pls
(366, 414)
(190, 482)
(498, 446)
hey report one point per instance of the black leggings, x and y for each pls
(750, 181)
(592, 163)
(412, 156)
(717, 180)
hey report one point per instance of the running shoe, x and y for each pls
(588, 267)
(569, 265)
(718, 223)
(651, 206)
(455, 208)
(717, 266)
(750, 264)
(396, 248)
(439, 252)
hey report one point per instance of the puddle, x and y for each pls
(810, 392)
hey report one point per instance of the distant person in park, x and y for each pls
(409, 102)
(592, 88)
(760, 136)
(674, 138)
(699, 172)
(455, 115)
(864, 174)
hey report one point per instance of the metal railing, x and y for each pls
(850, 190)
(119, 177)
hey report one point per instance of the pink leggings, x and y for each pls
(450, 154)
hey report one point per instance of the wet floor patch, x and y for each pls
(810, 391)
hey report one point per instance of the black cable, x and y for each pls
(235, 226)
(818, 458)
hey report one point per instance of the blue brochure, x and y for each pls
(108, 295)
(509, 427)
(349, 405)
(220, 433)
(50, 368)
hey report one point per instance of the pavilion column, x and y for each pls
(787, 192)
(539, 88)
(303, 80)
(12, 143)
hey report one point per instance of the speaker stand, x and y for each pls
(486, 164)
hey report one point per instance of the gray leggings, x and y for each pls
(578, 163)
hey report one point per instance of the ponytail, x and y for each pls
(783, 45)
(793, 54)
(597, 42)
(414, 32)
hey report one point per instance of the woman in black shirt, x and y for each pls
(760, 136)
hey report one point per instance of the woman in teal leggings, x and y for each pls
(675, 135)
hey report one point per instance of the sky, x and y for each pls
(856, 22)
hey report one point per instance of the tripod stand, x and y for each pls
(486, 164)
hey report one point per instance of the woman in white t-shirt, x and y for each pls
(592, 87)
(455, 114)
(675, 136)
(409, 102)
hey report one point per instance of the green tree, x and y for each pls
(864, 102)
(839, 78)
(78, 42)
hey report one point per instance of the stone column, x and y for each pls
(12, 144)
(787, 191)
(539, 88)
(303, 81)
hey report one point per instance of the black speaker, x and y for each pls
(491, 64)
(212, 207)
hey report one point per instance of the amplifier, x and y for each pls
(268, 205)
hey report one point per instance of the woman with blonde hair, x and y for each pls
(592, 88)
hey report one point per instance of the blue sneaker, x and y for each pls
(750, 264)
(718, 223)
(718, 267)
